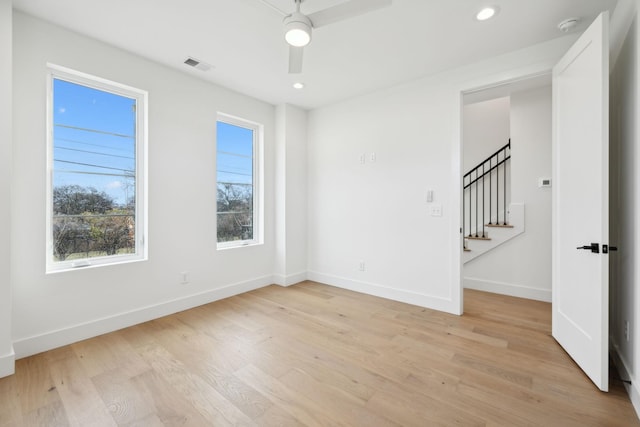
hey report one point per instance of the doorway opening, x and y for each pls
(508, 250)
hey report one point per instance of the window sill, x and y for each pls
(233, 245)
(91, 264)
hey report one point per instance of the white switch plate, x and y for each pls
(436, 210)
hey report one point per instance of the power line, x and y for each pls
(93, 173)
(120, 135)
(93, 166)
(94, 152)
(235, 173)
(234, 168)
(235, 154)
(235, 183)
(75, 141)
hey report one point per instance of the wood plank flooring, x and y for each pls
(316, 355)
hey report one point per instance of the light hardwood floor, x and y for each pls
(314, 355)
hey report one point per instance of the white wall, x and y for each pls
(624, 192)
(486, 129)
(51, 310)
(291, 195)
(376, 212)
(6, 347)
(522, 266)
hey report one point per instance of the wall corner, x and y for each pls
(7, 355)
(8, 364)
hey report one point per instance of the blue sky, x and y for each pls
(94, 142)
(234, 153)
(94, 139)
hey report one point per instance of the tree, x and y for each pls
(66, 233)
(85, 216)
(76, 200)
(112, 231)
(235, 211)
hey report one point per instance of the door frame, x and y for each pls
(489, 82)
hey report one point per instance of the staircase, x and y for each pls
(495, 235)
(489, 219)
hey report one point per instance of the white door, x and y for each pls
(581, 201)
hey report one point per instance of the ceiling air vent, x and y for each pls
(196, 63)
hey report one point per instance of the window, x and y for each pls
(96, 158)
(237, 172)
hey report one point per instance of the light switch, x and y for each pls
(429, 196)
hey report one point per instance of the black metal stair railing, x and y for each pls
(476, 198)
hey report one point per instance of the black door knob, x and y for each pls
(594, 248)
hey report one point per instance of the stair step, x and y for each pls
(499, 231)
(499, 225)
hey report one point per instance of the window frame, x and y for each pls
(257, 181)
(56, 72)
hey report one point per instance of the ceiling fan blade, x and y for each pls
(295, 59)
(346, 10)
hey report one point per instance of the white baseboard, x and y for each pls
(8, 364)
(291, 279)
(422, 300)
(37, 344)
(507, 289)
(625, 373)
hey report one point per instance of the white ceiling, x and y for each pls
(243, 39)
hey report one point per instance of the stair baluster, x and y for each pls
(471, 183)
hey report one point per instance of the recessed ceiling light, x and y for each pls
(298, 85)
(487, 13)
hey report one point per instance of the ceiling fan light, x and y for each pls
(297, 37)
(297, 30)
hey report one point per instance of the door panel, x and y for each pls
(580, 201)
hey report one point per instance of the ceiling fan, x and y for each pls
(298, 26)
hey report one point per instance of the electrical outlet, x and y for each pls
(436, 210)
(185, 277)
(361, 267)
(626, 330)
